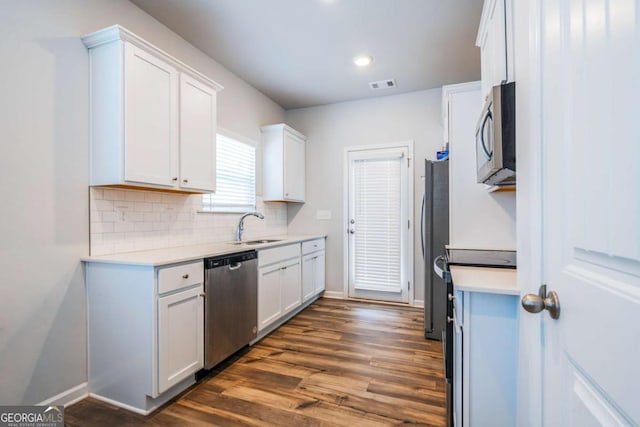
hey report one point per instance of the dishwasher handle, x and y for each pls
(235, 266)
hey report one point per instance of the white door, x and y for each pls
(180, 336)
(151, 119)
(378, 227)
(197, 135)
(586, 75)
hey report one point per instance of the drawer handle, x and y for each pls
(185, 276)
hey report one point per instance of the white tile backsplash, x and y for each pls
(133, 220)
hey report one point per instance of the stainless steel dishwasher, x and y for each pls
(231, 304)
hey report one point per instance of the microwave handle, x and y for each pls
(487, 116)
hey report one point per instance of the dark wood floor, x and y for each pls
(336, 363)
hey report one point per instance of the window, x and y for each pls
(235, 177)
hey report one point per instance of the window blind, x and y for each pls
(378, 228)
(235, 177)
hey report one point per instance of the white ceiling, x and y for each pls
(300, 52)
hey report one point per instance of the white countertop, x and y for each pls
(485, 279)
(158, 257)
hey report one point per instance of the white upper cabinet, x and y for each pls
(495, 40)
(284, 163)
(153, 118)
(197, 135)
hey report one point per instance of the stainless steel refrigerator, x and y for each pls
(435, 235)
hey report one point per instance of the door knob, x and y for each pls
(543, 301)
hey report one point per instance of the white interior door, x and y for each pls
(378, 224)
(590, 133)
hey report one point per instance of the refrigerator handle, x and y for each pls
(422, 225)
(436, 267)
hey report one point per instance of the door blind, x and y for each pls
(377, 224)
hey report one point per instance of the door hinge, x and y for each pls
(408, 224)
(409, 285)
(408, 162)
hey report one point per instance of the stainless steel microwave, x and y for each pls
(496, 137)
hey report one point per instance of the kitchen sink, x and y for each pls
(256, 242)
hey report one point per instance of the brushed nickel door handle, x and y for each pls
(543, 301)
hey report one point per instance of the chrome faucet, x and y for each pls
(240, 228)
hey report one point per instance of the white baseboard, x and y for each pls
(120, 404)
(418, 303)
(333, 294)
(68, 397)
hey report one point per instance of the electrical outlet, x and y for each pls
(323, 215)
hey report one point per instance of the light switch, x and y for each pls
(323, 215)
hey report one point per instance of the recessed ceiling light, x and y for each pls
(363, 60)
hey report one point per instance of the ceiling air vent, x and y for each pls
(383, 84)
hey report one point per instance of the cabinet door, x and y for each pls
(269, 308)
(318, 273)
(197, 135)
(294, 167)
(291, 286)
(457, 360)
(150, 119)
(308, 276)
(180, 336)
(493, 47)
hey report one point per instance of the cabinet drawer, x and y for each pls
(281, 253)
(312, 246)
(180, 276)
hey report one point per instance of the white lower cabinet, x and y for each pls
(279, 283)
(308, 282)
(145, 332)
(312, 268)
(290, 285)
(269, 307)
(180, 336)
(485, 359)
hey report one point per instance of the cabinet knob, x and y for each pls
(175, 178)
(185, 276)
(203, 295)
(185, 180)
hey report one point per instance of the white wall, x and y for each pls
(478, 219)
(44, 171)
(329, 129)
